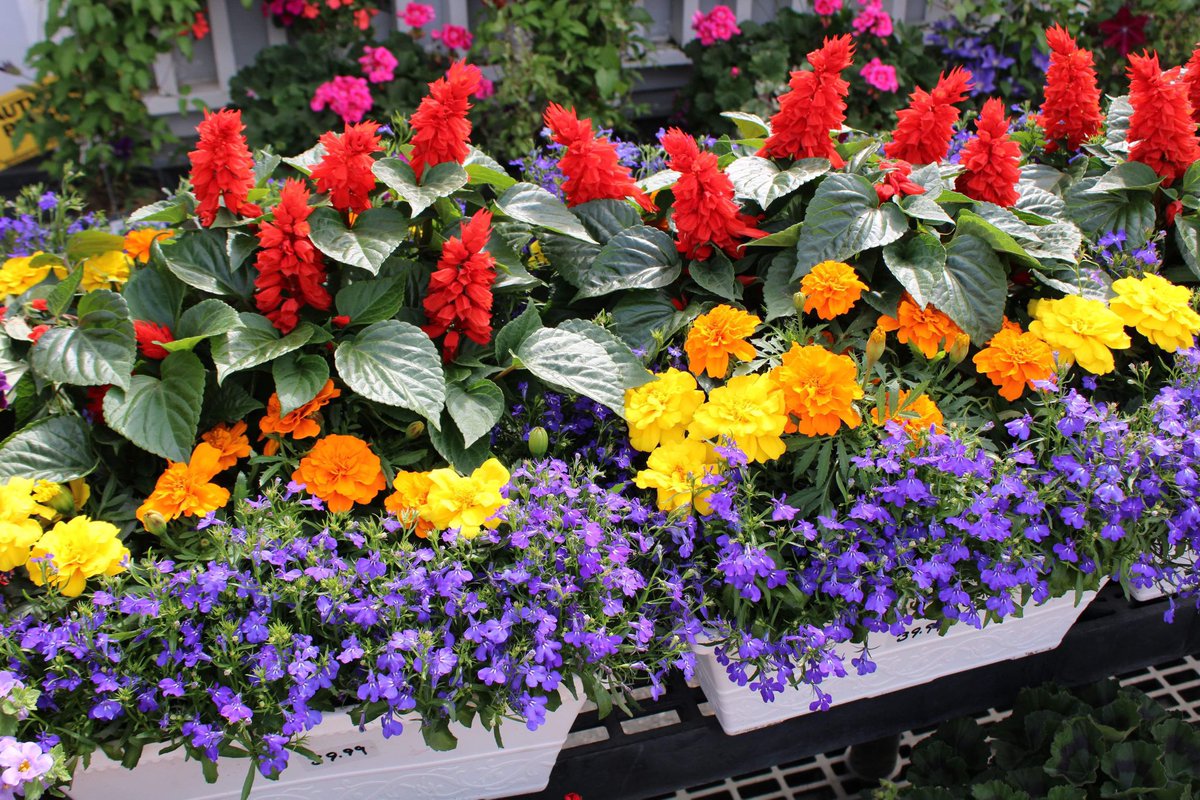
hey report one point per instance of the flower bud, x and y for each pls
(155, 523)
(876, 345)
(63, 502)
(958, 349)
(798, 300)
(539, 442)
(414, 430)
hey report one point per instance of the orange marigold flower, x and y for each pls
(298, 423)
(222, 167)
(410, 497)
(137, 243)
(992, 160)
(187, 489)
(716, 336)
(917, 415)
(923, 132)
(230, 440)
(441, 130)
(831, 288)
(593, 170)
(814, 107)
(345, 171)
(925, 327)
(342, 471)
(1071, 109)
(1161, 127)
(819, 390)
(1013, 360)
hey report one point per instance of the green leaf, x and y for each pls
(760, 180)
(999, 233)
(1134, 768)
(750, 126)
(631, 371)
(160, 416)
(1116, 125)
(1075, 752)
(238, 247)
(1187, 237)
(536, 206)
(396, 364)
(1059, 240)
(365, 302)
(93, 242)
(100, 350)
(298, 378)
(1035, 200)
(1180, 748)
(779, 287)
(920, 206)
(448, 442)
(573, 362)
(475, 409)
(209, 317)
(173, 211)
(509, 338)
(638, 315)
(844, 219)
(716, 276)
(437, 735)
(784, 238)
(604, 219)
(255, 341)
(636, 258)
(1125, 177)
(63, 292)
(1101, 212)
(228, 403)
(376, 234)
(306, 160)
(55, 449)
(154, 296)
(482, 168)
(659, 181)
(440, 180)
(199, 259)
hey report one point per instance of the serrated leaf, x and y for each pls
(209, 317)
(762, 181)
(63, 292)
(255, 341)
(844, 219)
(228, 403)
(199, 259)
(365, 302)
(604, 219)
(631, 371)
(239, 246)
(784, 238)
(448, 442)
(1187, 237)
(920, 206)
(154, 296)
(659, 181)
(1035, 200)
(306, 160)
(55, 449)
(396, 364)
(779, 287)
(100, 350)
(750, 126)
(298, 378)
(173, 211)
(475, 409)
(1126, 177)
(536, 206)
(638, 315)
(376, 234)
(1101, 212)
(716, 276)
(509, 337)
(636, 258)
(438, 181)
(482, 168)
(160, 416)
(573, 362)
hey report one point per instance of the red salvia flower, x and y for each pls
(593, 170)
(922, 135)
(222, 167)
(896, 181)
(815, 106)
(459, 300)
(290, 270)
(1071, 109)
(441, 130)
(1193, 83)
(93, 404)
(345, 171)
(705, 212)
(1161, 128)
(992, 159)
(150, 339)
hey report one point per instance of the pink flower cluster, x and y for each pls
(880, 76)
(486, 89)
(827, 8)
(346, 96)
(378, 64)
(873, 19)
(718, 25)
(455, 37)
(417, 15)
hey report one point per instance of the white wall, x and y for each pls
(23, 22)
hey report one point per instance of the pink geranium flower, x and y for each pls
(347, 96)
(454, 37)
(827, 8)
(718, 25)
(417, 15)
(486, 89)
(378, 64)
(880, 76)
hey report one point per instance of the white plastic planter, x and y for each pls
(917, 656)
(355, 765)
(1161, 588)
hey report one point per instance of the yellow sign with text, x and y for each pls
(12, 107)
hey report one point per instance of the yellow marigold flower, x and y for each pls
(231, 441)
(1079, 329)
(1013, 360)
(17, 276)
(831, 288)
(71, 552)
(409, 500)
(677, 471)
(749, 410)
(925, 327)
(104, 271)
(716, 336)
(80, 492)
(819, 390)
(18, 501)
(658, 412)
(342, 471)
(917, 415)
(45, 491)
(16, 537)
(466, 502)
(1158, 310)
(187, 488)
(137, 243)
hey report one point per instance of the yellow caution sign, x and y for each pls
(12, 107)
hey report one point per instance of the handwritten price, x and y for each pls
(917, 631)
(334, 755)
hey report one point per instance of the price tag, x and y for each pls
(340, 755)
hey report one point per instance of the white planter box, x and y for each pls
(915, 657)
(1161, 588)
(355, 766)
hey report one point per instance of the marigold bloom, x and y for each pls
(467, 502)
(814, 107)
(1158, 310)
(896, 181)
(831, 288)
(151, 337)
(1071, 110)
(230, 441)
(716, 336)
(991, 159)
(109, 270)
(71, 552)
(459, 300)
(298, 423)
(345, 171)
(18, 277)
(925, 327)
(819, 390)
(593, 170)
(659, 412)
(342, 471)
(16, 537)
(222, 167)
(137, 243)
(750, 410)
(291, 274)
(1080, 330)
(1192, 79)
(187, 489)
(441, 130)
(922, 135)
(18, 528)
(409, 500)
(705, 212)
(917, 415)
(678, 471)
(1014, 359)
(1161, 129)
